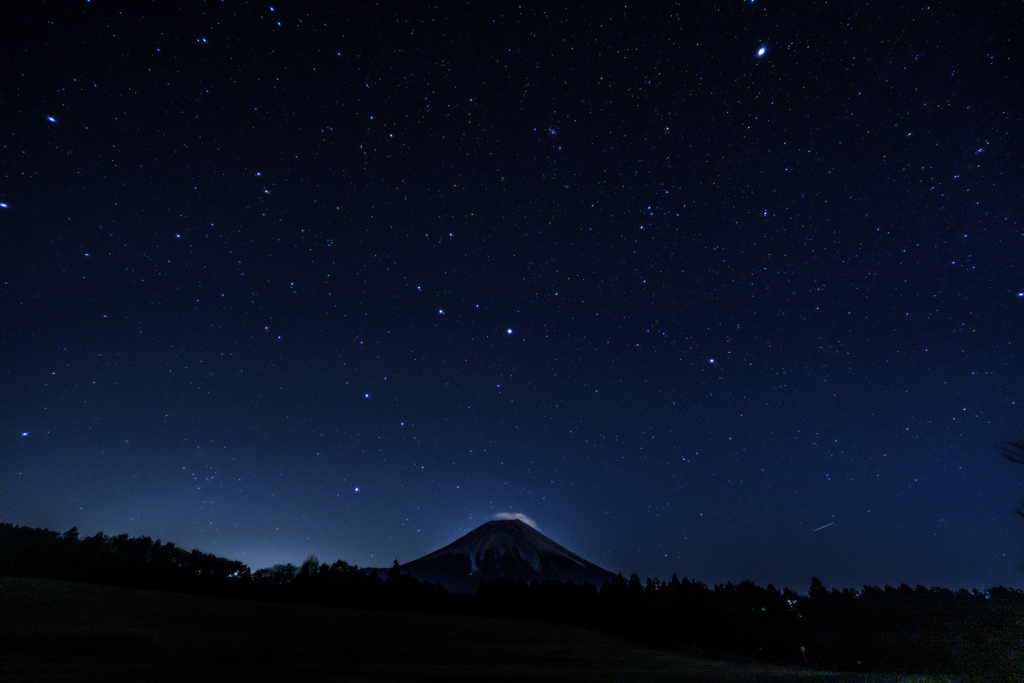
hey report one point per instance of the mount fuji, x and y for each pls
(509, 549)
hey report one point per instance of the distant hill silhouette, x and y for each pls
(503, 549)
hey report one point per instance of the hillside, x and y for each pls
(55, 630)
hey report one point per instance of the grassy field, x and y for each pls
(53, 630)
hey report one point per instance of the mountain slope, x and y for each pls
(503, 549)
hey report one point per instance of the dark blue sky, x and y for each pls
(732, 292)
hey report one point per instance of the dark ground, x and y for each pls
(54, 630)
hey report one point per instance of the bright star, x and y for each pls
(508, 331)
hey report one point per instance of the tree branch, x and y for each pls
(1013, 451)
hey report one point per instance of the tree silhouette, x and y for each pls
(1014, 452)
(309, 569)
(903, 628)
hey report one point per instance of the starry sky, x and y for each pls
(726, 289)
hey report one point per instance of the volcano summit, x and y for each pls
(508, 549)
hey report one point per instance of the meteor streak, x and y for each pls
(825, 526)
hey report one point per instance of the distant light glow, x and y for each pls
(761, 50)
(51, 119)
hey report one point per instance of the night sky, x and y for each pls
(732, 291)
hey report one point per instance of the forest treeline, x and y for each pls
(892, 629)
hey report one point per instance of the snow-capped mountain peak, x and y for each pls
(503, 549)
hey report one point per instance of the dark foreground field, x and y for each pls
(53, 630)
